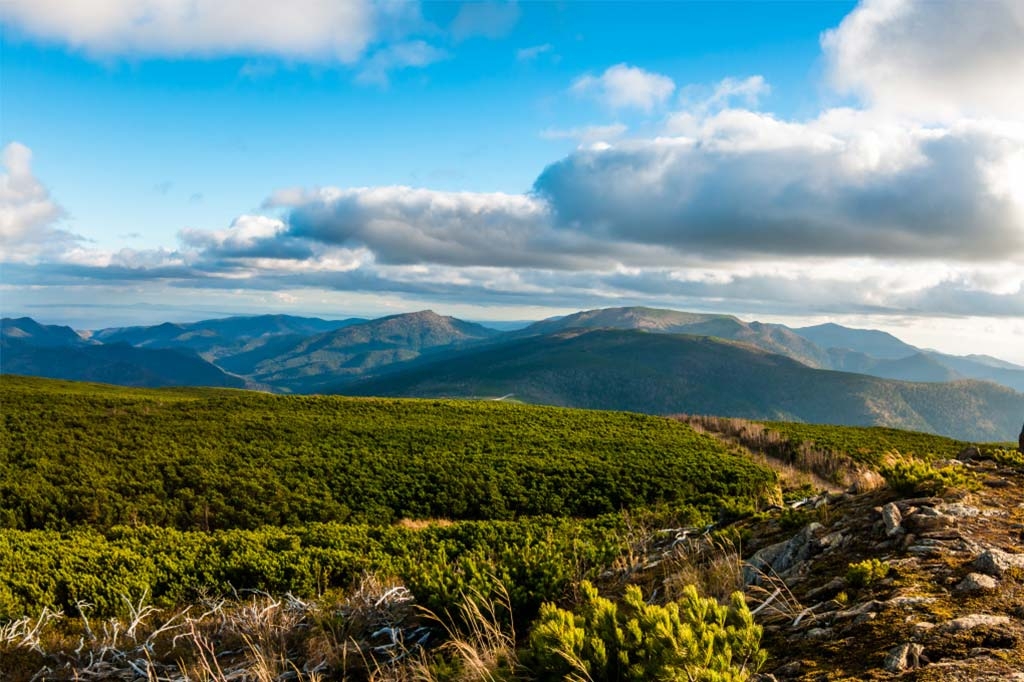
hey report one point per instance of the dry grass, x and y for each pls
(714, 566)
(374, 632)
(771, 600)
(823, 468)
(484, 646)
(421, 524)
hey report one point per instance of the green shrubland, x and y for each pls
(76, 455)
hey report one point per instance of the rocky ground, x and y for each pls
(951, 607)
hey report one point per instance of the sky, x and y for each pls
(800, 162)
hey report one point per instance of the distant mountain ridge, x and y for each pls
(669, 373)
(881, 345)
(302, 355)
(220, 337)
(308, 363)
(826, 346)
(116, 363)
(43, 335)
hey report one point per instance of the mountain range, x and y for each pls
(640, 359)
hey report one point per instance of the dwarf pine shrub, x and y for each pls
(911, 476)
(864, 573)
(693, 639)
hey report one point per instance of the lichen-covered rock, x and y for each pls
(906, 656)
(995, 562)
(783, 557)
(892, 518)
(975, 620)
(975, 583)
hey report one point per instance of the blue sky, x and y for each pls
(790, 161)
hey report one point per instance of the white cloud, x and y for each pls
(748, 184)
(484, 18)
(403, 225)
(529, 53)
(623, 86)
(936, 60)
(28, 214)
(302, 29)
(413, 54)
(749, 89)
(245, 232)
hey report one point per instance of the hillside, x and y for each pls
(773, 338)
(665, 374)
(227, 459)
(871, 342)
(28, 331)
(825, 346)
(916, 367)
(116, 363)
(306, 364)
(218, 338)
(166, 530)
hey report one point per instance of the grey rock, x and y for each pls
(975, 583)
(819, 633)
(919, 630)
(969, 454)
(832, 541)
(783, 557)
(906, 656)
(826, 591)
(789, 670)
(975, 620)
(960, 511)
(892, 518)
(908, 602)
(859, 610)
(996, 562)
(930, 519)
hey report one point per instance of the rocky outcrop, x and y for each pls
(995, 562)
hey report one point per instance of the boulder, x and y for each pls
(782, 557)
(996, 562)
(975, 620)
(975, 583)
(903, 657)
(969, 454)
(892, 518)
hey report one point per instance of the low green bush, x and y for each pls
(910, 476)
(694, 639)
(864, 573)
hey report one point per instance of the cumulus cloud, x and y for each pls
(751, 185)
(626, 87)
(935, 60)
(248, 236)
(305, 29)
(403, 225)
(28, 215)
